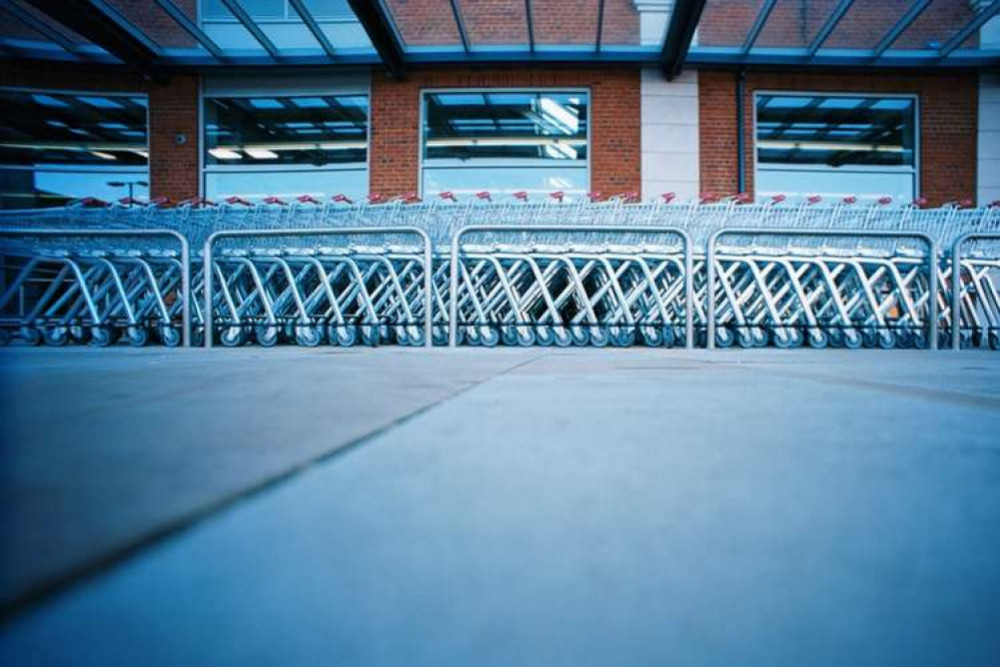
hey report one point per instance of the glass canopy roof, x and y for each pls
(166, 35)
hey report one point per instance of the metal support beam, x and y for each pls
(600, 25)
(243, 17)
(105, 26)
(683, 23)
(902, 25)
(830, 25)
(314, 28)
(758, 25)
(460, 24)
(41, 27)
(190, 27)
(967, 32)
(531, 25)
(377, 24)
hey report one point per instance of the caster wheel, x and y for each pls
(599, 337)
(370, 335)
(745, 338)
(760, 337)
(580, 335)
(526, 337)
(137, 336)
(852, 339)
(818, 339)
(624, 338)
(55, 336)
(103, 336)
(545, 336)
(489, 336)
(886, 340)
(4, 337)
(308, 336)
(918, 340)
(783, 338)
(232, 336)
(79, 334)
(31, 335)
(836, 337)
(562, 337)
(169, 336)
(266, 335)
(994, 340)
(440, 335)
(651, 336)
(343, 334)
(724, 337)
(869, 338)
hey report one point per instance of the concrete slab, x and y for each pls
(593, 508)
(102, 450)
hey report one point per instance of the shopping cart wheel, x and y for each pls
(918, 340)
(600, 337)
(761, 337)
(744, 338)
(307, 335)
(625, 337)
(836, 336)
(55, 336)
(79, 334)
(783, 338)
(852, 339)
(580, 335)
(416, 336)
(370, 335)
(30, 335)
(886, 339)
(724, 337)
(526, 336)
(233, 336)
(440, 335)
(869, 338)
(137, 336)
(4, 337)
(544, 335)
(103, 336)
(562, 336)
(994, 339)
(266, 335)
(169, 336)
(818, 339)
(343, 334)
(489, 336)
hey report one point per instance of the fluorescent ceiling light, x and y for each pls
(261, 153)
(224, 154)
(103, 156)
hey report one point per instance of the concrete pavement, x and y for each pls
(595, 507)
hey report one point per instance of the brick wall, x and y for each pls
(156, 23)
(948, 123)
(794, 23)
(431, 22)
(614, 114)
(173, 108)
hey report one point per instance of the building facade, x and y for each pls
(187, 99)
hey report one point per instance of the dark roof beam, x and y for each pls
(758, 25)
(243, 17)
(103, 25)
(902, 25)
(314, 28)
(975, 24)
(600, 25)
(680, 32)
(374, 19)
(831, 24)
(190, 27)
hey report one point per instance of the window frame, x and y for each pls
(206, 169)
(902, 169)
(424, 92)
(90, 168)
(290, 17)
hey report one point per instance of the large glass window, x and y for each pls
(55, 147)
(505, 142)
(836, 145)
(284, 146)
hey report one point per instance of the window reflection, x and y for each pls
(836, 145)
(505, 141)
(55, 147)
(270, 145)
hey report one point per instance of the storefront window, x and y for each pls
(56, 147)
(270, 145)
(505, 142)
(836, 145)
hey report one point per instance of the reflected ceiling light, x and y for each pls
(103, 155)
(224, 154)
(831, 146)
(260, 153)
